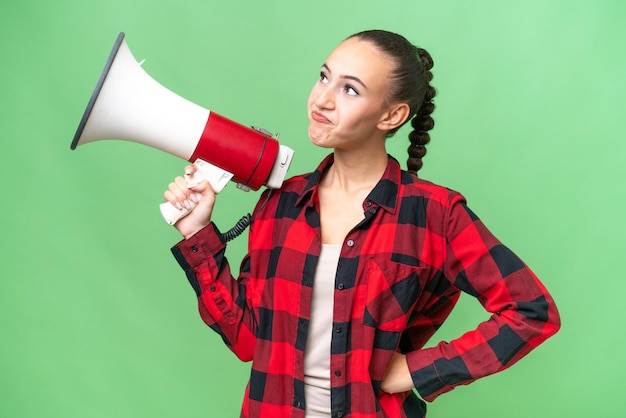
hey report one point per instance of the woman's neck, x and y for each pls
(352, 171)
(343, 188)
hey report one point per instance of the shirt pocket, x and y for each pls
(391, 295)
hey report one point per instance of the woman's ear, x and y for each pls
(396, 115)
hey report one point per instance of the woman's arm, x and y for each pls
(221, 298)
(397, 378)
(523, 312)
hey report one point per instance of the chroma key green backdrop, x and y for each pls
(97, 320)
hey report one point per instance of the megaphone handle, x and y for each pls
(217, 177)
(172, 214)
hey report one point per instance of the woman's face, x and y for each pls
(349, 100)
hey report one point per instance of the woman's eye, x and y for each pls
(350, 91)
(323, 78)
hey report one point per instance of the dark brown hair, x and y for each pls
(410, 84)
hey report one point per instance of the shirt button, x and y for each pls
(212, 288)
(194, 249)
(340, 286)
(339, 414)
(373, 211)
(368, 203)
(350, 243)
(338, 330)
(337, 372)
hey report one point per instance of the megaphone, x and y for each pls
(128, 104)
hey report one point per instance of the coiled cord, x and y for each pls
(244, 222)
(238, 229)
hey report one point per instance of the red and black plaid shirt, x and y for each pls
(400, 273)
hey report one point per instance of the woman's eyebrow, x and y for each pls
(349, 77)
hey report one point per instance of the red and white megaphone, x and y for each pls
(128, 104)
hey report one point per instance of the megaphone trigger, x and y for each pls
(218, 177)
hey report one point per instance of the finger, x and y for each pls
(178, 191)
(200, 186)
(171, 198)
(190, 170)
(201, 190)
(183, 186)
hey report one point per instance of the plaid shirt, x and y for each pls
(400, 273)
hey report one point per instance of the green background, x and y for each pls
(97, 320)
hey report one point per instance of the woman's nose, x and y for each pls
(325, 98)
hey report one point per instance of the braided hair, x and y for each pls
(410, 83)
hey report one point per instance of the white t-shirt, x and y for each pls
(317, 349)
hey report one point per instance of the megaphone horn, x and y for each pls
(128, 104)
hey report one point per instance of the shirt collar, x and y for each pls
(384, 194)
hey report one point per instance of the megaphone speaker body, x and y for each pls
(128, 104)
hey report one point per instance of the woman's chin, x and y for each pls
(319, 138)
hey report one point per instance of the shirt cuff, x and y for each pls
(193, 251)
(426, 380)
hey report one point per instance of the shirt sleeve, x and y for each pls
(523, 312)
(221, 297)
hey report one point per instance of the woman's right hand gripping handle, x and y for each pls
(197, 198)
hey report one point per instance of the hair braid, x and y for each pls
(422, 122)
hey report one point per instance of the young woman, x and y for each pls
(352, 268)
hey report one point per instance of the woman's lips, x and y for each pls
(319, 117)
